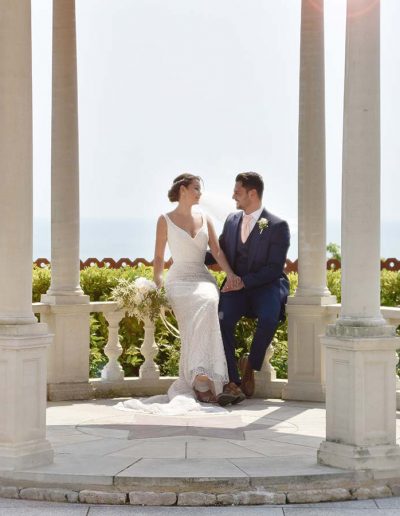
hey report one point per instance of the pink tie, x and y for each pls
(246, 227)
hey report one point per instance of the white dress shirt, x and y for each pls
(255, 216)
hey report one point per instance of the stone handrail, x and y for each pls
(390, 264)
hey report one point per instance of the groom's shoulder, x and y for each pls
(272, 218)
(233, 216)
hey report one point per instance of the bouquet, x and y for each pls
(140, 298)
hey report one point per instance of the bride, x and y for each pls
(193, 294)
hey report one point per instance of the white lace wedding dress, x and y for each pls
(193, 294)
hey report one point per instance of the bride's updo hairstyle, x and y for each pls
(182, 180)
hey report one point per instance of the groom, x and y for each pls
(255, 243)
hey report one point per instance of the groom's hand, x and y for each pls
(233, 283)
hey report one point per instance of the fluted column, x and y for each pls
(68, 319)
(311, 155)
(306, 312)
(64, 155)
(361, 183)
(16, 166)
(360, 347)
(23, 341)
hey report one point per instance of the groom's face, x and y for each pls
(241, 196)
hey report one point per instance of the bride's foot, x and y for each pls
(205, 397)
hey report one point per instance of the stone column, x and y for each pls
(69, 319)
(307, 317)
(23, 341)
(360, 347)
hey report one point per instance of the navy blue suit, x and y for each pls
(260, 263)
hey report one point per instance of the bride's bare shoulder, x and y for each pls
(161, 222)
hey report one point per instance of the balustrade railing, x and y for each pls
(390, 264)
(114, 383)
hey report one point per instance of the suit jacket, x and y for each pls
(267, 252)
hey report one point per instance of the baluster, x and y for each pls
(113, 371)
(149, 369)
(266, 375)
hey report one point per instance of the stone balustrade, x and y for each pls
(113, 383)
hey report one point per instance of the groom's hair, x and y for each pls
(182, 180)
(251, 181)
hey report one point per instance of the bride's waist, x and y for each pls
(192, 265)
(188, 270)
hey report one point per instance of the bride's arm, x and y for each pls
(218, 253)
(158, 261)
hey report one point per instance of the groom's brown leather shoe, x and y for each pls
(231, 394)
(247, 374)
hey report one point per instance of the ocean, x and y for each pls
(135, 237)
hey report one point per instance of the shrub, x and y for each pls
(40, 282)
(98, 283)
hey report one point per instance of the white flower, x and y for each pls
(140, 298)
(144, 285)
(262, 224)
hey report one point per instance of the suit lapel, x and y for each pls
(255, 237)
(234, 230)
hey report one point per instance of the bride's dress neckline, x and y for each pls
(184, 230)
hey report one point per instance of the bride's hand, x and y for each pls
(233, 282)
(159, 282)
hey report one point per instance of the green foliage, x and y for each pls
(99, 282)
(40, 282)
(334, 250)
(98, 339)
(390, 288)
(279, 360)
(333, 279)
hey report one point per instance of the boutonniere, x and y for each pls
(262, 224)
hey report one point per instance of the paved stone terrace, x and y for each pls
(373, 507)
(261, 451)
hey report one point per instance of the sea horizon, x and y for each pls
(135, 237)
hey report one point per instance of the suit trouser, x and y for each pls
(262, 303)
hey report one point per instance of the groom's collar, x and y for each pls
(256, 214)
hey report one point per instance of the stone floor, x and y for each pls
(249, 446)
(378, 507)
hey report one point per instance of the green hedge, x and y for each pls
(98, 283)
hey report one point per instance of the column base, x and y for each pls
(361, 401)
(23, 350)
(26, 455)
(347, 456)
(68, 359)
(316, 299)
(304, 391)
(63, 299)
(69, 391)
(307, 320)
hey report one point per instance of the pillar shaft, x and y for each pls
(306, 313)
(311, 157)
(361, 167)
(64, 155)
(15, 163)
(23, 341)
(68, 319)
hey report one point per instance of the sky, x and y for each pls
(202, 86)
